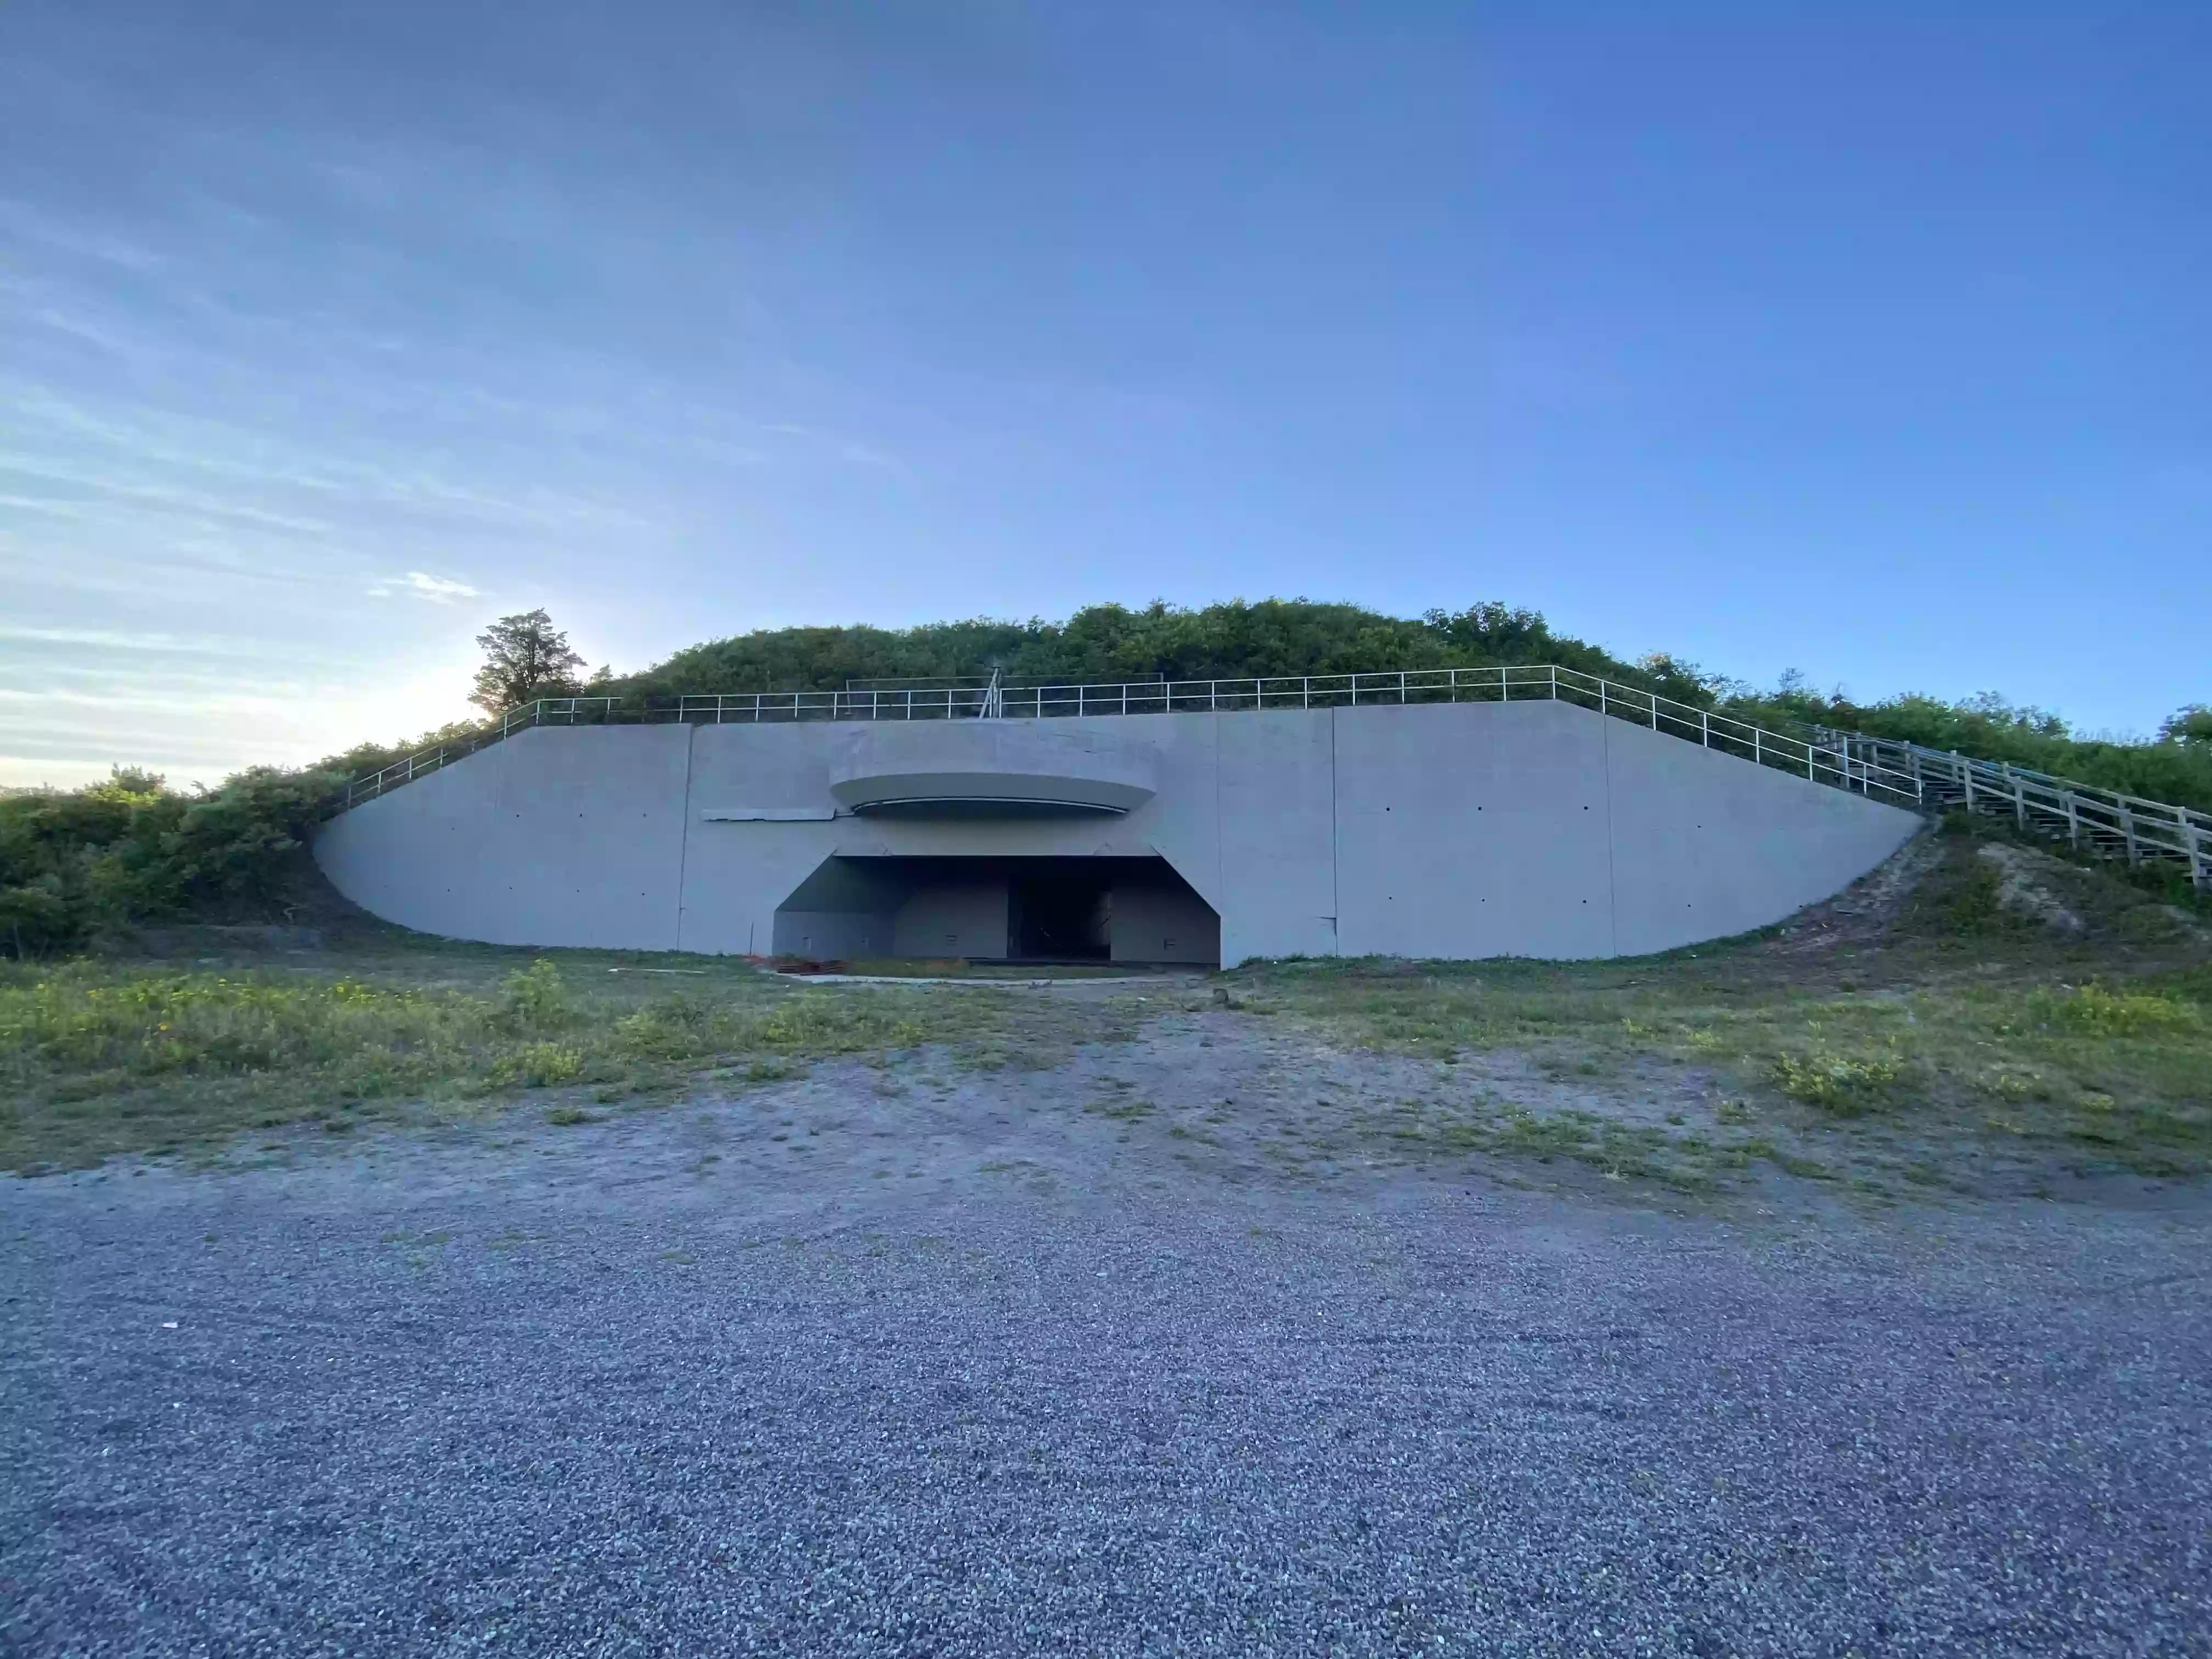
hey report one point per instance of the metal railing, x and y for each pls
(2104, 821)
(547, 711)
(1820, 757)
(1822, 760)
(2096, 821)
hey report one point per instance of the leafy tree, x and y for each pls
(525, 658)
(2191, 724)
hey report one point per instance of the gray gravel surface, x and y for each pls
(600, 1391)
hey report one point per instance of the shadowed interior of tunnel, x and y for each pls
(999, 909)
(1061, 918)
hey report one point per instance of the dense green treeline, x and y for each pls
(1110, 644)
(2175, 769)
(131, 850)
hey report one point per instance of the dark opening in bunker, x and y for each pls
(997, 910)
(1062, 918)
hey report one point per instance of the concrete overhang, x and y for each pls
(989, 767)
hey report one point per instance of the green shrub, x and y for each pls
(534, 999)
(1836, 1083)
(2094, 1010)
(132, 850)
(538, 1066)
(38, 918)
(678, 1028)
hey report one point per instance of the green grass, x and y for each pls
(2110, 1072)
(98, 1058)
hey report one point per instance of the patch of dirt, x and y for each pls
(2029, 884)
(1865, 912)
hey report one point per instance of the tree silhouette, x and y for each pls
(525, 658)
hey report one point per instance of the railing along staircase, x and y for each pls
(2095, 820)
(2103, 822)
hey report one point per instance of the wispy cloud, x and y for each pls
(421, 585)
(110, 640)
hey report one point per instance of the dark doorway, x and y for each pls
(1063, 919)
(995, 908)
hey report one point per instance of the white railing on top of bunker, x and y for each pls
(546, 711)
(1824, 763)
(2095, 820)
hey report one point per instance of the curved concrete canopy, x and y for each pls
(994, 768)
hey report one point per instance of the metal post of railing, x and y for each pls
(1705, 728)
(1555, 682)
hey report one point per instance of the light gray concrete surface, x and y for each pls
(1157, 922)
(1449, 831)
(954, 918)
(553, 838)
(1068, 763)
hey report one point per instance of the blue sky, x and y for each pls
(1868, 340)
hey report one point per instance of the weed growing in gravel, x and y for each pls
(2103, 1074)
(96, 1059)
(1837, 1082)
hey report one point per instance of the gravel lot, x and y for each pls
(958, 1374)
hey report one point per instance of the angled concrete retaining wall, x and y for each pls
(1449, 831)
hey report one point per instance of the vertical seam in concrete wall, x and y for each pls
(683, 843)
(1612, 892)
(1220, 891)
(1335, 833)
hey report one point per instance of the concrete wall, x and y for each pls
(845, 909)
(1156, 922)
(1467, 829)
(954, 918)
(553, 838)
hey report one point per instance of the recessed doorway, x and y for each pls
(1062, 918)
(984, 908)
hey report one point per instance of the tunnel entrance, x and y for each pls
(1061, 919)
(999, 909)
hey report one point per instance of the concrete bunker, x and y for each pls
(1015, 909)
